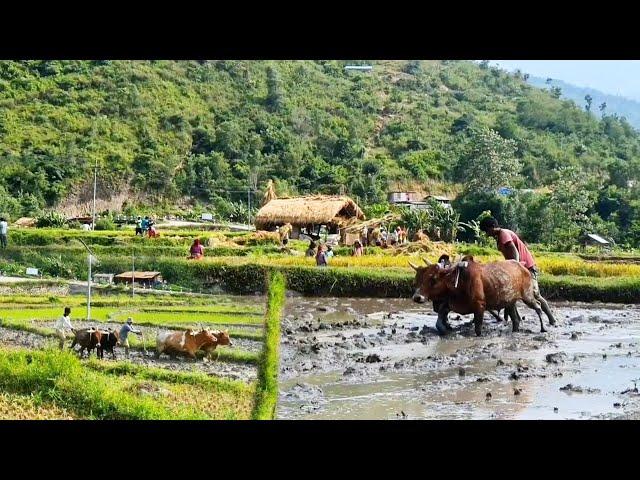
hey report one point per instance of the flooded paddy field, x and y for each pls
(348, 358)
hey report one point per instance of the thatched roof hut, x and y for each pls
(335, 211)
(25, 222)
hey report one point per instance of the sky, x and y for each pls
(616, 77)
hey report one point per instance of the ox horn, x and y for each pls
(426, 261)
(415, 267)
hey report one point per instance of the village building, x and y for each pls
(310, 216)
(144, 279)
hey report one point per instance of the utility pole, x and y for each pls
(89, 289)
(90, 258)
(249, 205)
(95, 184)
(253, 185)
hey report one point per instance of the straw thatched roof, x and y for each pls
(137, 275)
(320, 209)
(25, 222)
(374, 222)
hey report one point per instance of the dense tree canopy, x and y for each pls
(176, 129)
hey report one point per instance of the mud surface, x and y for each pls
(234, 371)
(382, 359)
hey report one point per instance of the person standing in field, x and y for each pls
(139, 226)
(364, 236)
(145, 225)
(512, 248)
(126, 329)
(321, 258)
(311, 251)
(196, 250)
(357, 249)
(63, 324)
(4, 231)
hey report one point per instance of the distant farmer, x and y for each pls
(329, 252)
(144, 225)
(63, 324)
(139, 226)
(152, 229)
(357, 249)
(311, 251)
(124, 334)
(197, 250)
(4, 227)
(513, 248)
(364, 236)
(402, 235)
(321, 258)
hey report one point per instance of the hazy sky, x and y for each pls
(616, 77)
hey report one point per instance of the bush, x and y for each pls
(105, 224)
(51, 219)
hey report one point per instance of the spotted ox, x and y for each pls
(185, 343)
(467, 287)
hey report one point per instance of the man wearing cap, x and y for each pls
(124, 334)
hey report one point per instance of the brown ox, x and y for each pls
(88, 339)
(185, 343)
(469, 287)
(222, 338)
(441, 307)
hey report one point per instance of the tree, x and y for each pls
(566, 213)
(603, 107)
(556, 92)
(526, 77)
(548, 81)
(490, 162)
(589, 99)
(274, 92)
(445, 222)
(414, 67)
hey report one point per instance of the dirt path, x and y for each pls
(381, 358)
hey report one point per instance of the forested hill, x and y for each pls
(171, 130)
(600, 103)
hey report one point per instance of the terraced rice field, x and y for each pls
(37, 381)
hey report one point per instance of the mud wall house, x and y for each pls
(144, 279)
(308, 214)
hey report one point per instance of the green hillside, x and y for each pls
(169, 132)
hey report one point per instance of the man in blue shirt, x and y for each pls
(124, 335)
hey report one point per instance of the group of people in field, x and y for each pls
(63, 326)
(146, 226)
(380, 237)
(322, 253)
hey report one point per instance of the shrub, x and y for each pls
(51, 219)
(105, 224)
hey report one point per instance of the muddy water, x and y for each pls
(382, 359)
